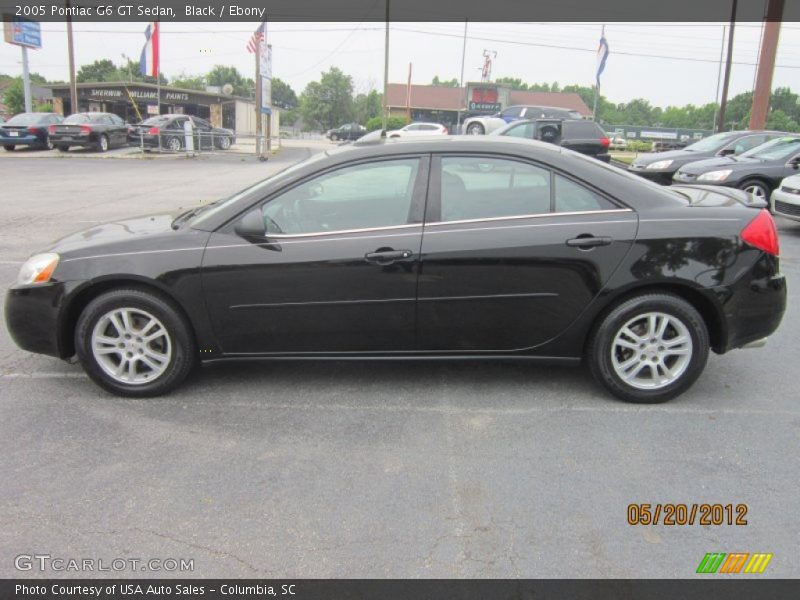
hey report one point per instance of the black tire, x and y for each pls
(63, 148)
(102, 144)
(475, 129)
(334, 137)
(48, 145)
(224, 143)
(757, 184)
(601, 346)
(183, 350)
(9, 147)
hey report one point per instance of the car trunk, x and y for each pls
(715, 196)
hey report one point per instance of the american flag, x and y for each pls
(256, 40)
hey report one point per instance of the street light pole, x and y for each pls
(386, 73)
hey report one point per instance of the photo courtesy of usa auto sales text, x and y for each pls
(139, 590)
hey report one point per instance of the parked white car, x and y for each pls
(785, 200)
(487, 124)
(618, 143)
(418, 129)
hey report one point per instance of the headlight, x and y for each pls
(38, 269)
(715, 175)
(659, 164)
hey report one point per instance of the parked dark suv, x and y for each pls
(350, 131)
(586, 137)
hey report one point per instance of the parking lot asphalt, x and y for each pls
(374, 469)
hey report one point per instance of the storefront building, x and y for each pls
(137, 101)
(440, 104)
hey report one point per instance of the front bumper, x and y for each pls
(658, 176)
(34, 315)
(786, 203)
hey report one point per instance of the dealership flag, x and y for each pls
(256, 40)
(148, 62)
(602, 57)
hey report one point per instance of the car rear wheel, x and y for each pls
(757, 188)
(9, 147)
(475, 129)
(649, 349)
(102, 145)
(48, 144)
(174, 144)
(134, 343)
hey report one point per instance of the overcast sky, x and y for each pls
(535, 52)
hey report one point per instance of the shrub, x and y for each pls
(391, 123)
(639, 146)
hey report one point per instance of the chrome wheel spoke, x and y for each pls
(124, 352)
(657, 356)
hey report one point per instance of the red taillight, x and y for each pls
(85, 130)
(52, 129)
(761, 233)
(33, 130)
(605, 142)
(446, 131)
(153, 131)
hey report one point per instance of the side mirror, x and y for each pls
(727, 152)
(251, 225)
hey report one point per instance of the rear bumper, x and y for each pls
(756, 304)
(22, 140)
(72, 140)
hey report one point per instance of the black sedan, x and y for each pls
(586, 137)
(349, 131)
(166, 132)
(97, 130)
(28, 129)
(758, 171)
(661, 166)
(459, 248)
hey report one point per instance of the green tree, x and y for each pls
(368, 106)
(283, 95)
(780, 121)
(445, 83)
(515, 83)
(221, 74)
(329, 101)
(14, 97)
(99, 70)
(190, 82)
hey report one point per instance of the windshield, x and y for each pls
(711, 143)
(76, 119)
(25, 119)
(776, 149)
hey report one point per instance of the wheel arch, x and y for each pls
(709, 311)
(81, 299)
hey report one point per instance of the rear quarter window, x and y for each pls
(582, 130)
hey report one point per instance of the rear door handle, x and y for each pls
(589, 241)
(387, 257)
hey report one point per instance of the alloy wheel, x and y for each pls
(131, 345)
(651, 350)
(757, 191)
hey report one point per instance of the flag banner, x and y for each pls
(602, 57)
(256, 39)
(148, 61)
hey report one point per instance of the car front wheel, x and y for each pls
(134, 343)
(757, 188)
(649, 348)
(9, 147)
(334, 137)
(475, 129)
(224, 143)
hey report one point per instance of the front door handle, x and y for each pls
(589, 241)
(388, 256)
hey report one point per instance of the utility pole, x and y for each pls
(26, 80)
(258, 99)
(766, 64)
(461, 81)
(386, 73)
(724, 100)
(73, 87)
(719, 79)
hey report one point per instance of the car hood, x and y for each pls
(145, 229)
(725, 162)
(679, 157)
